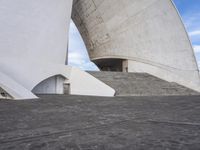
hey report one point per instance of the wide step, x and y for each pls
(141, 84)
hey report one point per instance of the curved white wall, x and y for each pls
(33, 39)
(35, 30)
(33, 43)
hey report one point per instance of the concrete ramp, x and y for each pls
(82, 83)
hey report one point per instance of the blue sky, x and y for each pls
(189, 11)
(78, 55)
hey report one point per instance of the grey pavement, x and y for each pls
(60, 122)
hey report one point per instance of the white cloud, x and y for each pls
(194, 33)
(198, 64)
(196, 48)
(78, 55)
(78, 60)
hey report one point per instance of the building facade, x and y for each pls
(129, 35)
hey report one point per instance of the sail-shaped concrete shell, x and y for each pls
(33, 40)
(33, 50)
(137, 36)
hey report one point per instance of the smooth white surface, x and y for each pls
(82, 83)
(33, 41)
(35, 30)
(33, 44)
(14, 89)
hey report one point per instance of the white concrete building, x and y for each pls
(33, 50)
(134, 36)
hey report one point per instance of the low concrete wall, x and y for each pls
(82, 83)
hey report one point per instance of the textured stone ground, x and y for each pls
(94, 123)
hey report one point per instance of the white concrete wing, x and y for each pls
(15, 90)
(33, 48)
(82, 83)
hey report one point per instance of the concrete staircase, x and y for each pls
(141, 84)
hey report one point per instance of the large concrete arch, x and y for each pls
(140, 35)
(51, 85)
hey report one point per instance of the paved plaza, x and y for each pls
(63, 122)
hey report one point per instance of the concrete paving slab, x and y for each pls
(100, 123)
